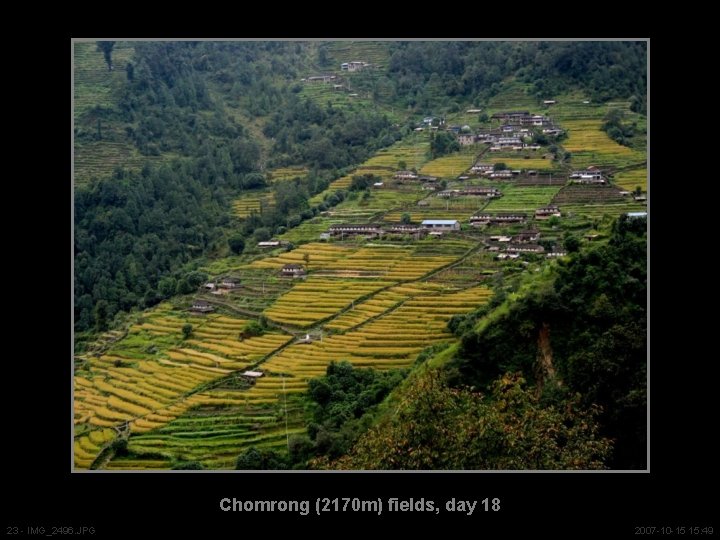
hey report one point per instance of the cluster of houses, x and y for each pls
(517, 131)
(503, 218)
(511, 247)
(521, 118)
(428, 226)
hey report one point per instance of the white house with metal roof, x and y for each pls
(441, 224)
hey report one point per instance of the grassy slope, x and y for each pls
(96, 87)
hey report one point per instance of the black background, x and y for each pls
(41, 491)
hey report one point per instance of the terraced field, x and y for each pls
(324, 93)
(94, 85)
(252, 203)
(386, 341)
(361, 51)
(592, 146)
(223, 422)
(97, 88)
(512, 97)
(287, 173)
(180, 398)
(572, 107)
(412, 150)
(629, 180)
(523, 199)
(595, 201)
(97, 159)
(453, 165)
(318, 299)
(153, 374)
(373, 304)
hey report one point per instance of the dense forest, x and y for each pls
(422, 72)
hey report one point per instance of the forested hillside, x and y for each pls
(362, 254)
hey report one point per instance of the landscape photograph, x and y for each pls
(360, 254)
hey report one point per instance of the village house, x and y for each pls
(448, 193)
(539, 120)
(293, 270)
(353, 66)
(510, 116)
(547, 212)
(403, 229)
(549, 102)
(481, 167)
(636, 215)
(201, 306)
(555, 253)
(405, 175)
(252, 375)
(441, 225)
(426, 178)
(498, 218)
(269, 244)
(350, 229)
(525, 237)
(592, 175)
(490, 193)
(505, 142)
(467, 138)
(321, 78)
(229, 283)
(500, 238)
(500, 174)
(524, 248)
